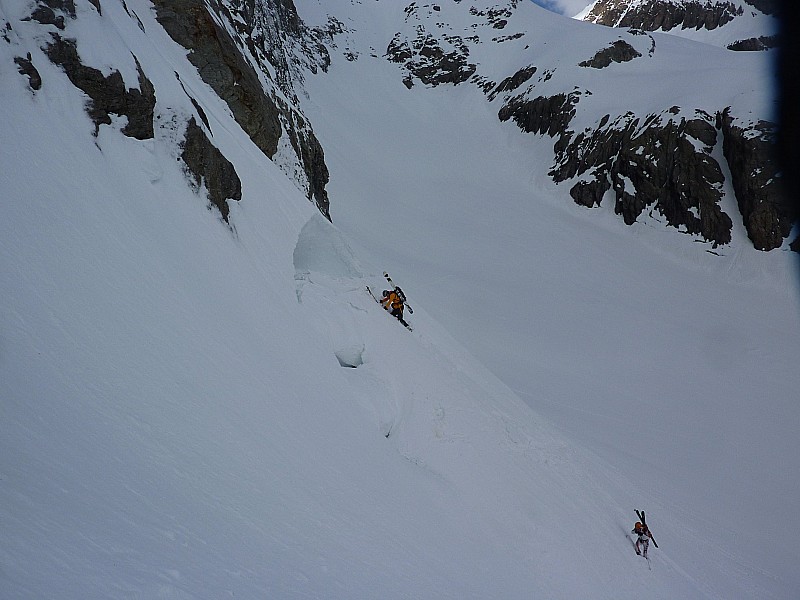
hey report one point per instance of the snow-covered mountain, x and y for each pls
(199, 399)
(682, 149)
(674, 147)
(744, 25)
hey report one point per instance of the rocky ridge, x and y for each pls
(252, 54)
(686, 15)
(656, 14)
(271, 37)
(243, 50)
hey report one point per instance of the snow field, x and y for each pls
(176, 422)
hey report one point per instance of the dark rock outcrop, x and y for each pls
(768, 7)
(755, 44)
(208, 167)
(67, 7)
(53, 12)
(664, 164)
(590, 193)
(766, 210)
(620, 51)
(428, 61)
(222, 65)
(108, 95)
(659, 163)
(656, 14)
(274, 35)
(496, 16)
(509, 84)
(310, 151)
(543, 115)
(25, 67)
(45, 15)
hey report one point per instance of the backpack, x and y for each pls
(400, 294)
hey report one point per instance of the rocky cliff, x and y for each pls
(653, 15)
(249, 52)
(252, 53)
(681, 16)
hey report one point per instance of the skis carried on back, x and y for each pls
(641, 518)
(399, 292)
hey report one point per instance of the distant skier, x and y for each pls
(643, 541)
(392, 302)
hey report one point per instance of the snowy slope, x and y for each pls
(648, 351)
(175, 417)
(176, 423)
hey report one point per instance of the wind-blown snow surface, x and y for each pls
(175, 421)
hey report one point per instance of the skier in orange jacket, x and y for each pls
(392, 302)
